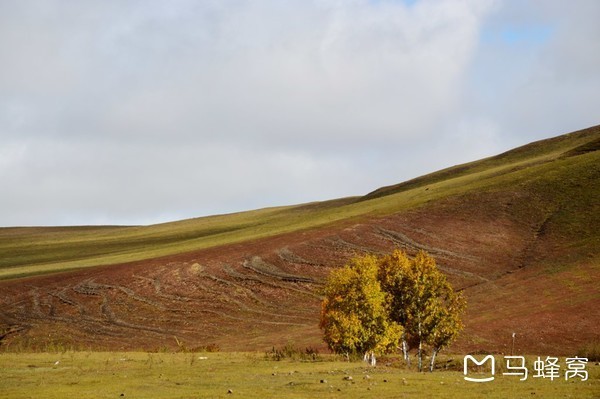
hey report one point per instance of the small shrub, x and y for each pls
(289, 351)
(311, 354)
(274, 354)
(211, 348)
(591, 351)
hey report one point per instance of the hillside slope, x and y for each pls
(517, 232)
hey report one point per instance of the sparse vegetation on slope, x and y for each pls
(520, 229)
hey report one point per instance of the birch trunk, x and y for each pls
(432, 361)
(405, 349)
(420, 354)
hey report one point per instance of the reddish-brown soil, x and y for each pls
(260, 294)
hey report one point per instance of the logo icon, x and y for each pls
(479, 363)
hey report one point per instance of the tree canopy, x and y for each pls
(382, 303)
(354, 314)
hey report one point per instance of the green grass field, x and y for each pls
(252, 375)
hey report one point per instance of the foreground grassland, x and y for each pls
(251, 375)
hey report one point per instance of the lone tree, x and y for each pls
(376, 299)
(422, 301)
(392, 275)
(354, 315)
(445, 323)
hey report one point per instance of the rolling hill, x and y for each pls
(517, 232)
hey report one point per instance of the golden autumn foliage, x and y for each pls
(422, 301)
(380, 303)
(354, 315)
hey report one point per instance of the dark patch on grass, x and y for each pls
(591, 351)
(592, 146)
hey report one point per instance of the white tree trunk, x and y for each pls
(370, 359)
(432, 361)
(420, 346)
(420, 354)
(405, 349)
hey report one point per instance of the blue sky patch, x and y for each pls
(519, 35)
(408, 3)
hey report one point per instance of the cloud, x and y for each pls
(534, 74)
(127, 112)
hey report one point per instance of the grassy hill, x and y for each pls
(554, 162)
(517, 227)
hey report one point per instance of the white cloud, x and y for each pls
(123, 112)
(543, 81)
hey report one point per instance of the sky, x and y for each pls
(140, 112)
